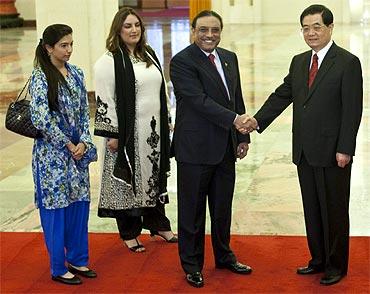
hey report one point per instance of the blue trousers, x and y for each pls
(66, 235)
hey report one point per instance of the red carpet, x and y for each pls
(25, 268)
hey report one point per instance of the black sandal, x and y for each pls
(156, 233)
(136, 247)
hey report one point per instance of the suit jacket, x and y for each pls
(327, 116)
(204, 112)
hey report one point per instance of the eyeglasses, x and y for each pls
(317, 28)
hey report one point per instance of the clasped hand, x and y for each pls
(77, 151)
(245, 124)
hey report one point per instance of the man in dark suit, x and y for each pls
(206, 144)
(325, 86)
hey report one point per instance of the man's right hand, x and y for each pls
(245, 124)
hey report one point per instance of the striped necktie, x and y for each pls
(211, 57)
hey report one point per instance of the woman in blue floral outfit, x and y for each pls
(60, 158)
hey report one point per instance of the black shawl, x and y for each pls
(124, 168)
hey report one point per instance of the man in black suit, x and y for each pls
(206, 144)
(325, 86)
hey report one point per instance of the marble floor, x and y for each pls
(267, 197)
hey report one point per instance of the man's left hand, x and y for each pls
(242, 150)
(342, 159)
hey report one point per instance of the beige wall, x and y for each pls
(262, 11)
(90, 21)
(26, 8)
(238, 11)
(288, 11)
(275, 11)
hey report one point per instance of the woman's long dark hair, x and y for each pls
(114, 40)
(51, 35)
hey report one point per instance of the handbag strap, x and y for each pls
(28, 88)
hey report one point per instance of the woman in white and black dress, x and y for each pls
(132, 116)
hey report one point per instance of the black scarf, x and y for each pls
(124, 168)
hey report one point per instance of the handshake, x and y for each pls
(245, 124)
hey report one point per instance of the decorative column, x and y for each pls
(196, 6)
(90, 21)
(9, 17)
(357, 11)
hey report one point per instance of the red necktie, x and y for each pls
(313, 70)
(211, 57)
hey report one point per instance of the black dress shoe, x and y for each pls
(309, 270)
(87, 274)
(195, 279)
(236, 267)
(330, 279)
(69, 281)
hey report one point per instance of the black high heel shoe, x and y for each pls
(156, 233)
(138, 248)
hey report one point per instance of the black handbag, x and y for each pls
(18, 116)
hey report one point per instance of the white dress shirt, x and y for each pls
(321, 54)
(219, 68)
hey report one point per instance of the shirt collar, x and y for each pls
(214, 52)
(321, 53)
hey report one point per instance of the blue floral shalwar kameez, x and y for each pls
(62, 188)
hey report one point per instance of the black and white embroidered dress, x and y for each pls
(115, 194)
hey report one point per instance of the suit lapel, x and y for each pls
(326, 64)
(305, 70)
(209, 68)
(226, 68)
